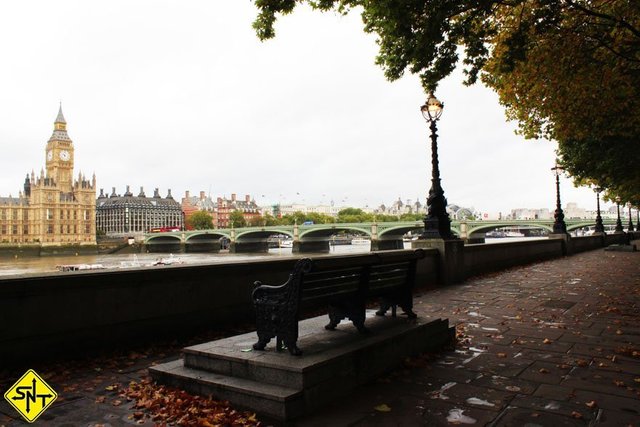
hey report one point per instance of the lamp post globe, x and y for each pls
(437, 224)
(599, 225)
(559, 226)
(618, 228)
(630, 221)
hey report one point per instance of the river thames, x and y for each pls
(47, 264)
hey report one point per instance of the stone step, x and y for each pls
(274, 401)
(325, 352)
(283, 386)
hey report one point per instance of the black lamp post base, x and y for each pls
(450, 259)
(599, 226)
(567, 247)
(437, 228)
(619, 228)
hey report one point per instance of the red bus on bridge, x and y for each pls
(164, 229)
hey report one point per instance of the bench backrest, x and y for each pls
(365, 276)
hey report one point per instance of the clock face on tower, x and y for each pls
(49, 155)
(64, 155)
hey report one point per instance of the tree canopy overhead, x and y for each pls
(567, 70)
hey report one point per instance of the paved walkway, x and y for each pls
(550, 344)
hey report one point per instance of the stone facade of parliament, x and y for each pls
(53, 209)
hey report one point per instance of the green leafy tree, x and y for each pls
(237, 219)
(387, 218)
(200, 220)
(354, 215)
(566, 70)
(297, 217)
(256, 221)
(270, 220)
(411, 217)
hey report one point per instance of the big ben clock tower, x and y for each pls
(54, 210)
(59, 154)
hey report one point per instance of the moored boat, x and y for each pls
(360, 241)
(286, 243)
(79, 267)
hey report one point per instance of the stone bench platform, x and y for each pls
(282, 386)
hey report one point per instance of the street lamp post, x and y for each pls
(559, 226)
(599, 224)
(437, 224)
(630, 221)
(618, 228)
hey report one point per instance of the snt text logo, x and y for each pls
(30, 396)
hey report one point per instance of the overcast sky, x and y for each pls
(182, 95)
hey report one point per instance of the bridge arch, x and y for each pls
(164, 243)
(575, 226)
(261, 234)
(396, 231)
(327, 230)
(205, 235)
(163, 239)
(483, 228)
(386, 231)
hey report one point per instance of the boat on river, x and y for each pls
(168, 261)
(286, 243)
(339, 240)
(79, 267)
(360, 241)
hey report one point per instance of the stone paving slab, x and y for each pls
(503, 318)
(555, 339)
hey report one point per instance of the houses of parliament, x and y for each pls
(53, 209)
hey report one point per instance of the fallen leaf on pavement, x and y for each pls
(382, 408)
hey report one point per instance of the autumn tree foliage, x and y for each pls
(237, 219)
(566, 70)
(200, 220)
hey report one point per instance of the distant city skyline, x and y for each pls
(184, 96)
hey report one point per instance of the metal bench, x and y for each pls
(344, 284)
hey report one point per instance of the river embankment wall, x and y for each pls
(71, 313)
(37, 250)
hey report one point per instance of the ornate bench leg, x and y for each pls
(384, 306)
(409, 312)
(358, 322)
(262, 343)
(335, 316)
(293, 349)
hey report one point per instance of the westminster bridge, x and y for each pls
(317, 237)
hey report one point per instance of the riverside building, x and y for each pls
(130, 215)
(53, 209)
